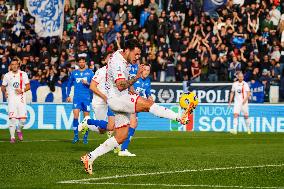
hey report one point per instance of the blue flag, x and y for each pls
(49, 16)
(212, 5)
(257, 92)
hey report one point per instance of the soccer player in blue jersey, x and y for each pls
(81, 80)
(143, 88)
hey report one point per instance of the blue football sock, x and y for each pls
(99, 123)
(75, 127)
(85, 138)
(125, 144)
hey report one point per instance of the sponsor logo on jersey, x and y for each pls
(16, 84)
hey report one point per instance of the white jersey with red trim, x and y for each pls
(117, 68)
(12, 82)
(100, 79)
(241, 90)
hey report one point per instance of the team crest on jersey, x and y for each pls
(16, 84)
(239, 91)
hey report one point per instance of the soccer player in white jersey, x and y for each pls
(123, 103)
(99, 104)
(241, 92)
(14, 86)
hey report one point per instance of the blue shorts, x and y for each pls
(109, 112)
(82, 105)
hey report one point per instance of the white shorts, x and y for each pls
(125, 103)
(238, 108)
(17, 109)
(122, 107)
(100, 111)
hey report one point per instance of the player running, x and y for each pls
(81, 79)
(241, 91)
(15, 85)
(99, 104)
(143, 88)
(123, 103)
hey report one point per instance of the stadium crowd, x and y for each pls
(180, 40)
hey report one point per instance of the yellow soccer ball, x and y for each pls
(187, 99)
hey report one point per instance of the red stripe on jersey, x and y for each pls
(95, 82)
(243, 94)
(121, 126)
(119, 79)
(21, 80)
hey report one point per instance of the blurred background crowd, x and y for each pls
(180, 40)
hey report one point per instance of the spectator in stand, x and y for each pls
(195, 70)
(245, 36)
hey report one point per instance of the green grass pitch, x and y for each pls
(47, 159)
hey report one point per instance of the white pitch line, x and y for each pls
(167, 172)
(180, 185)
(66, 140)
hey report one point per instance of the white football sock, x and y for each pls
(20, 125)
(12, 127)
(94, 128)
(161, 111)
(248, 124)
(12, 130)
(235, 123)
(104, 148)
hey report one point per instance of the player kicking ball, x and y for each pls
(123, 104)
(241, 92)
(15, 85)
(81, 79)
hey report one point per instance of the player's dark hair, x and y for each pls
(131, 44)
(81, 58)
(146, 64)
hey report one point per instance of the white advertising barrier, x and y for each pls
(207, 117)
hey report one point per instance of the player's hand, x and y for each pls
(150, 98)
(85, 82)
(105, 99)
(6, 95)
(19, 91)
(140, 70)
(68, 99)
(229, 104)
(132, 92)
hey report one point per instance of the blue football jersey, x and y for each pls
(81, 91)
(133, 70)
(143, 87)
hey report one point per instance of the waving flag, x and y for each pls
(212, 5)
(49, 16)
